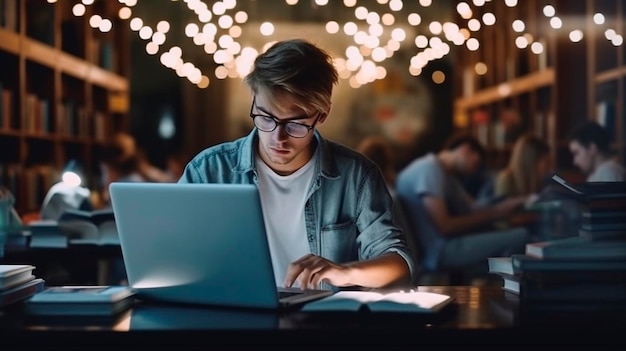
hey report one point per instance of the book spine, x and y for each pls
(22, 292)
(524, 263)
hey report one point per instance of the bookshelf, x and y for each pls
(64, 89)
(606, 72)
(517, 89)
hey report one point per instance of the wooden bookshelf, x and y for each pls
(606, 71)
(57, 93)
(545, 93)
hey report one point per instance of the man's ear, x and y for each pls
(323, 116)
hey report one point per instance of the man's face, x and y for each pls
(583, 157)
(468, 160)
(283, 153)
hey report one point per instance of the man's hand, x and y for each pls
(310, 270)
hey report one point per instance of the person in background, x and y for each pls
(590, 148)
(327, 210)
(454, 231)
(175, 164)
(150, 172)
(119, 162)
(528, 168)
(525, 175)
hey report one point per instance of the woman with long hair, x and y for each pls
(527, 169)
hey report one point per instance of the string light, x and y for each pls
(377, 35)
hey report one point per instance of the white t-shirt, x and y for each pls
(283, 199)
(608, 171)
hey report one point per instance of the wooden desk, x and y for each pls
(473, 319)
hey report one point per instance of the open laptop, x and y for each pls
(199, 243)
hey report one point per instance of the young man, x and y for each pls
(327, 210)
(589, 145)
(454, 232)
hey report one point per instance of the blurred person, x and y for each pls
(526, 174)
(175, 164)
(590, 148)
(150, 172)
(456, 232)
(119, 162)
(527, 170)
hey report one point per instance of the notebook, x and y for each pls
(199, 244)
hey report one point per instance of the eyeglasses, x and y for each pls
(268, 123)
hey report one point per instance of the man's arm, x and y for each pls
(449, 225)
(386, 270)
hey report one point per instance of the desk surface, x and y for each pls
(483, 315)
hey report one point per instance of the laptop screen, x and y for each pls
(195, 243)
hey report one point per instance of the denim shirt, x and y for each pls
(348, 212)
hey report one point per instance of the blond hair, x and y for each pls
(298, 69)
(527, 152)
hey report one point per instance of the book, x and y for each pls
(16, 280)
(397, 302)
(603, 220)
(47, 233)
(79, 300)
(501, 265)
(12, 273)
(602, 234)
(525, 263)
(511, 284)
(602, 226)
(550, 280)
(90, 227)
(593, 190)
(21, 292)
(83, 294)
(578, 247)
(603, 216)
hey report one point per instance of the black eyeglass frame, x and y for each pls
(278, 122)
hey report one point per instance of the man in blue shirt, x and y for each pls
(327, 210)
(454, 231)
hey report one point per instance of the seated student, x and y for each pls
(119, 162)
(525, 174)
(454, 231)
(590, 148)
(527, 170)
(327, 210)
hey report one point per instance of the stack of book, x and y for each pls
(603, 218)
(568, 272)
(602, 208)
(80, 302)
(18, 283)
